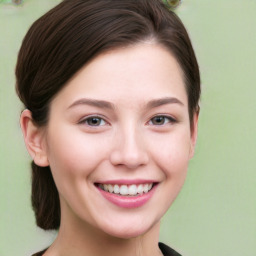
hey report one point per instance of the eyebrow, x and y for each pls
(92, 102)
(105, 104)
(163, 101)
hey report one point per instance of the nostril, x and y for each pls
(131, 161)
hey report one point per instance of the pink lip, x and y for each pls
(127, 201)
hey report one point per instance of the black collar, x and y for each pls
(166, 251)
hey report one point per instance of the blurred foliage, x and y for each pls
(16, 2)
(172, 4)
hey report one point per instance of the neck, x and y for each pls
(78, 238)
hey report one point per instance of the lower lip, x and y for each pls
(128, 201)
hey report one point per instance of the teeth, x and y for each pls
(116, 189)
(132, 190)
(140, 189)
(110, 188)
(145, 188)
(125, 190)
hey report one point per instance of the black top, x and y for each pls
(166, 250)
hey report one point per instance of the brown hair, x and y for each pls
(60, 43)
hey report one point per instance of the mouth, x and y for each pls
(127, 194)
(128, 190)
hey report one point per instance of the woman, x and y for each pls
(111, 91)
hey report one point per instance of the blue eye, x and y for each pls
(161, 120)
(94, 121)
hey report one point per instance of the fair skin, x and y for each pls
(121, 120)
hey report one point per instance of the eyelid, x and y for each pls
(97, 116)
(83, 120)
(171, 119)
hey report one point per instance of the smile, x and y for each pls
(127, 194)
(127, 190)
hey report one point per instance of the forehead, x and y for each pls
(128, 75)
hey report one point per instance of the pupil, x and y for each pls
(159, 119)
(95, 121)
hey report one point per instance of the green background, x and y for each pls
(215, 214)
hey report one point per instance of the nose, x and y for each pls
(129, 150)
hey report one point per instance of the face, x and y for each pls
(119, 141)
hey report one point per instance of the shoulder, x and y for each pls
(167, 251)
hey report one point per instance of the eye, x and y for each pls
(161, 120)
(93, 121)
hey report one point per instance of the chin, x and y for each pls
(126, 234)
(128, 231)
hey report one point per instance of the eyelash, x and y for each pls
(90, 118)
(166, 119)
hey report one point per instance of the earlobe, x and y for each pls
(194, 130)
(34, 139)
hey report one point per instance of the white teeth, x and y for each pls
(145, 188)
(140, 189)
(116, 189)
(125, 190)
(110, 188)
(132, 190)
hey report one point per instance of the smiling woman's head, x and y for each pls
(73, 34)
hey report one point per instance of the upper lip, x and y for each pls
(126, 182)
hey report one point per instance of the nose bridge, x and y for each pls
(130, 149)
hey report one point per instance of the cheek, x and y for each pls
(173, 159)
(73, 157)
(172, 153)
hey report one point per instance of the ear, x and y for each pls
(194, 129)
(34, 137)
